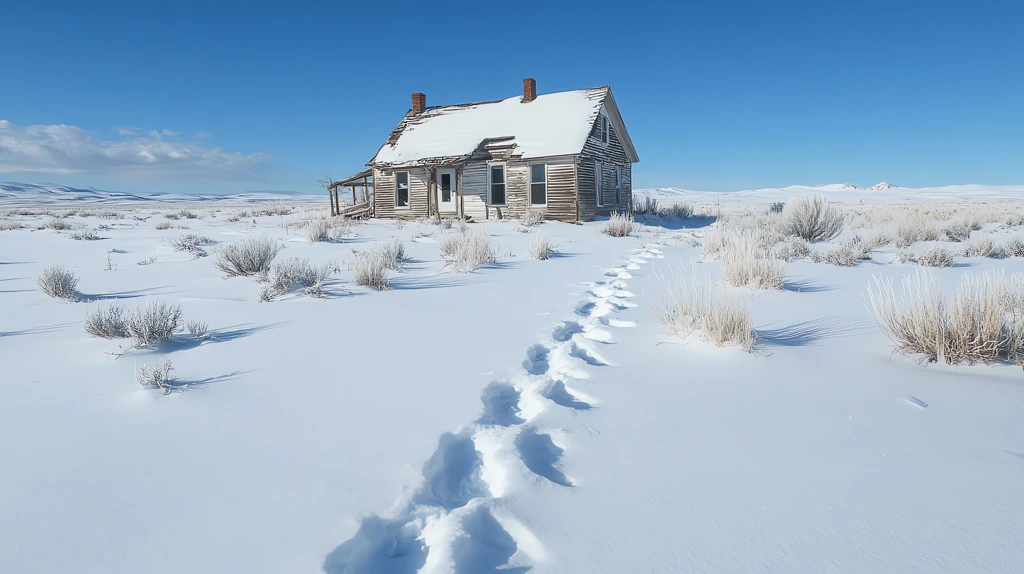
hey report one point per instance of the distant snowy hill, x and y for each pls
(32, 194)
(845, 193)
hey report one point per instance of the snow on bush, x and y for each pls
(935, 257)
(540, 247)
(172, 216)
(57, 223)
(163, 225)
(157, 377)
(981, 247)
(687, 308)
(59, 283)
(295, 271)
(979, 323)
(620, 225)
(645, 206)
(747, 260)
(107, 323)
(530, 219)
(958, 231)
(1013, 248)
(812, 218)
(905, 256)
(1014, 220)
(913, 227)
(464, 252)
(316, 229)
(393, 252)
(790, 249)
(186, 214)
(370, 269)
(847, 253)
(249, 256)
(153, 323)
(776, 207)
(340, 227)
(192, 243)
(84, 234)
(7, 225)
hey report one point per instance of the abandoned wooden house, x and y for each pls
(564, 155)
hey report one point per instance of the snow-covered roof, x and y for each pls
(551, 125)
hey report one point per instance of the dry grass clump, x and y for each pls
(645, 206)
(981, 323)
(688, 308)
(84, 234)
(340, 227)
(812, 218)
(675, 211)
(875, 239)
(466, 251)
(294, 271)
(527, 220)
(198, 329)
(981, 247)
(912, 228)
(393, 251)
(192, 243)
(59, 283)
(540, 247)
(317, 230)
(747, 261)
(791, 249)
(163, 225)
(247, 257)
(1014, 220)
(847, 253)
(57, 223)
(620, 224)
(935, 257)
(8, 225)
(370, 268)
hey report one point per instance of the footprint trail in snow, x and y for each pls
(452, 522)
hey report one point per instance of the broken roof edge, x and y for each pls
(620, 126)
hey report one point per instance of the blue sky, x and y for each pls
(716, 95)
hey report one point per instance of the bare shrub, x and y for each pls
(153, 323)
(370, 269)
(59, 283)
(1013, 248)
(645, 206)
(747, 261)
(192, 243)
(340, 227)
(790, 249)
(842, 255)
(186, 214)
(1015, 220)
(316, 229)
(393, 252)
(776, 207)
(689, 307)
(162, 225)
(977, 325)
(8, 225)
(958, 231)
(57, 223)
(935, 257)
(981, 247)
(812, 218)
(540, 247)
(249, 256)
(905, 256)
(676, 211)
(620, 225)
(198, 329)
(157, 377)
(295, 271)
(84, 234)
(875, 240)
(107, 323)
(530, 219)
(465, 252)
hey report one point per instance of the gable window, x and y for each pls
(618, 184)
(598, 188)
(496, 181)
(538, 184)
(402, 189)
(604, 129)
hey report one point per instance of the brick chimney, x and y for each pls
(529, 90)
(419, 103)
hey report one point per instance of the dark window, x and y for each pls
(402, 189)
(604, 129)
(598, 184)
(498, 184)
(446, 187)
(538, 184)
(618, 184)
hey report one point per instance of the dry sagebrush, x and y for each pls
(249, 256)
(981, 323)
(540, 247)
(690, 307)
(316, 230)
(748, 260)
(812, 218)
(466, 251)
(370, 269)
(59, 283)
(620, 225)
(153, 323)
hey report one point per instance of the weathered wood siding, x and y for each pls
(561, 190)
(384, 193)
(609, 154)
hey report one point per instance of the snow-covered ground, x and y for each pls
(882, 193)
(530, 416)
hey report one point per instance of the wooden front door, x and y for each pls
(446, 190)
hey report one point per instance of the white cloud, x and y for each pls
(127, 131)
(61, 149)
